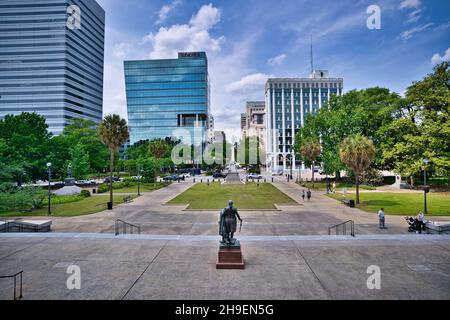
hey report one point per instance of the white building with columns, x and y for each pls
(288, 102)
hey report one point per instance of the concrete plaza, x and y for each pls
(288, 254)
(301, 267)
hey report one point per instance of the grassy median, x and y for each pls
(401, 203)
(83, 207)
(245, 196)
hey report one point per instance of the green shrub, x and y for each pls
(85, 194)
(27, 198)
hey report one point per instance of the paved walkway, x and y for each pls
(306, 218)
(125, 268)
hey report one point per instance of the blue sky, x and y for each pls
(248, 41)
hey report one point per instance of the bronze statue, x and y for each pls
(228, 225)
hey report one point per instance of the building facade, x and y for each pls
(169, 98)
(51, 59)
(289, 101)
(219, 137)
(253, 121)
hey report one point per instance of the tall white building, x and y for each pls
(253, 121)
(288, 102)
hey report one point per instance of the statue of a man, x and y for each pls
(69, 170)
(228, 224)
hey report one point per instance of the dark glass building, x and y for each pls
(51, 59)
(168, 98)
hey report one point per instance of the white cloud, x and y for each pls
(414, 16)
(406, 4)
(194, 36)
(121, 50)
(408, 34)
(248, 81)
(166, 9)
(277, 60)
(437, 58)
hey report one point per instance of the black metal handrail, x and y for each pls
(7, 225)
(344, 228)
(126, 225)
(15, 283)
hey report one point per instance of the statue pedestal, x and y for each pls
(230, 257)
(69, 182)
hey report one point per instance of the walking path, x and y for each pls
(307, 218)
(139, 268)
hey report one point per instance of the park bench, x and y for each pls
(127, 199)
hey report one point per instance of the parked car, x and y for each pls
(218, 175)
(173, 178)
(185, 175)
(114, 179)
(254, 176)
(278, 173)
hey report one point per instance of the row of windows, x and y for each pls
(21, 22)
(54, 76)
(165, 85)
(166, 93)
(167, 100)
(306, 85)
(133, 109)
(173, 78)
(164, 71)
(164, 63)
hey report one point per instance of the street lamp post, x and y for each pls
(425, 187)
(139, 180)
(49, 169)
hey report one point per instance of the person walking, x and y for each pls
(420, 224)
(381, 218)
(334, 186)
(303, 195)
(308, 194)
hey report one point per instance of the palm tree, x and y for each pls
(310, 150)
(357, 152)
(113, 131)
(157, 149)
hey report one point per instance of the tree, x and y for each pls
(26, 144)
(157, 149)
(310, 150)
(80, 162)
(364, 111)
(82, 131)
(357, 152)
(113, 131)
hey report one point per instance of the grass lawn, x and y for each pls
(83, 207)
(322, 186)
(401, 203)
(145, 187)
(245, 196)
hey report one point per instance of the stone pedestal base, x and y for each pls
(230, 258)
(69, 182)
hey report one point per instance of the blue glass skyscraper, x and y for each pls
(51, 59)
(168, 98)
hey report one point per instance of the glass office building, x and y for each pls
(51, 59)
(168, 98)
(289, 101)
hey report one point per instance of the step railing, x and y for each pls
(344, 227)
(20, 273)
(6, 227)
(126, 228)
